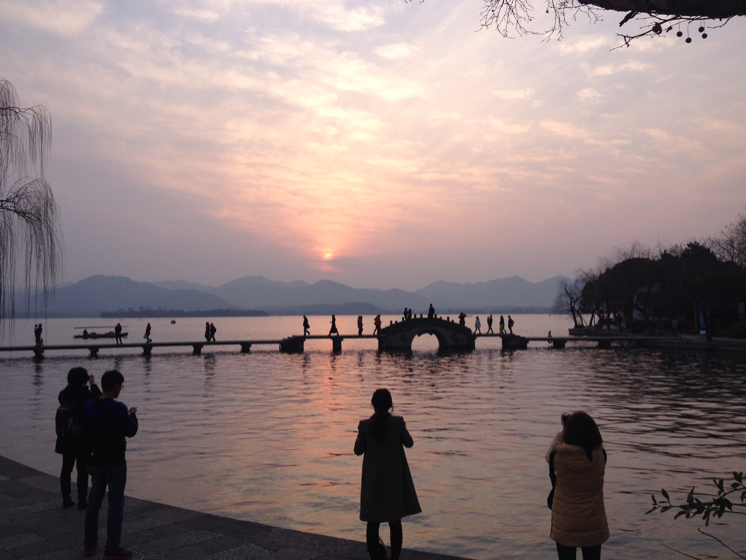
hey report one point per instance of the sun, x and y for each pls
(328, 255)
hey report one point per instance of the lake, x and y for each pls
(268, 437)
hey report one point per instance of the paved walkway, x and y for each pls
(34, 526)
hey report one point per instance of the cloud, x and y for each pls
(395, 51)
(202, 15)
(585, 44)
(588, 94)
(526, 93)
(609, 69)
(64, 17)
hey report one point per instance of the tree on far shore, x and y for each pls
(30, 245)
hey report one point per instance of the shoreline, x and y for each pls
(33, 525)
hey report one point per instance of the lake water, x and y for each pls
(268, 437)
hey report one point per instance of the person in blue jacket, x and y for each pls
(106, 425)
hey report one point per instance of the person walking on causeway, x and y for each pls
(377, 324)
(334, 330)
(489, 325)
(306, 326)
(387, 491)
(477, 326)
(502, 324)
(147, 334)
(578, 513)
(70, 442)
(510, 324)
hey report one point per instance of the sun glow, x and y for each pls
(327, 255)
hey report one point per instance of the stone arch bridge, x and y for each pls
(451, 336)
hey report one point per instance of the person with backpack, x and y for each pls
(70, 444)
(106, 425)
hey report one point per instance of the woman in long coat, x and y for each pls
(578, 513)
(387, 491)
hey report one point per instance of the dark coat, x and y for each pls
(76, 396)
(387, 490)
(578, 513)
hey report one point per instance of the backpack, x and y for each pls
(67, 424)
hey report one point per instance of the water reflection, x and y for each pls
(273, 438)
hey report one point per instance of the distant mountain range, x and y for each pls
(258, 295)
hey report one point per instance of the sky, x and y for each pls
(376, 143)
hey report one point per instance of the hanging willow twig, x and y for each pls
(29, 229)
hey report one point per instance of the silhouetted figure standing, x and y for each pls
(405, 314)
(207, 331)
(37, 334)
(431, 312)
(510, 324)
(106, 425)
(147, 334)
(462, 319)
(502, 324)
(334, 330)
(360, 325)
(306, 326)
(118, 334)
(489, 325)
(377, 324)
(387, 491)
(578, 458)
(70, 442)
(213, 330)
(477, 326)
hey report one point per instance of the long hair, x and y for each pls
(381, 402)
(581, 430)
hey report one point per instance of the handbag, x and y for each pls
(553, 478)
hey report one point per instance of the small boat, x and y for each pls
(86, 335)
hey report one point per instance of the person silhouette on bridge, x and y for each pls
(147, 334)
(377, 323)
(360, 325)
(37, 334)
(213, 330)
(207, 331)
(462, 319)
(306, 326)
(477, 326)
(431, 312)
(502, 324)
(489, 325)
(118, 334)
(510, 324)
(334, 330)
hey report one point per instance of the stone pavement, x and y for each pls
(34, 526)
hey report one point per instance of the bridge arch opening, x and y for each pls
(426, 342)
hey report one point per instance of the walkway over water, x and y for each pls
(399, 335)
(33, 525)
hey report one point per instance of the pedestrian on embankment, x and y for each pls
(70, 443)
(387, 491)
(578, 513)
(106, 425)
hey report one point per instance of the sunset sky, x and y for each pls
(376, 143)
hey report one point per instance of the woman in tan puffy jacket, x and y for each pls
(578, 514)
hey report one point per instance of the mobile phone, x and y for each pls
(565, 416)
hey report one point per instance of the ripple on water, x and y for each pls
(269, 437)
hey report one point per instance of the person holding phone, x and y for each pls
(578, 512)
(106, 425)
